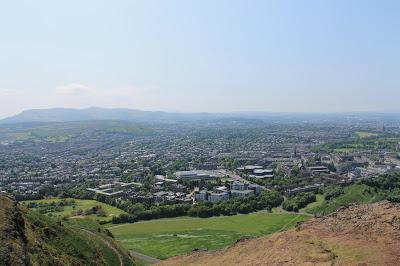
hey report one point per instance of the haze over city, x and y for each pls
(208, 56)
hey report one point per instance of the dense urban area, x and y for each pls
(107, 175)
(204, 168)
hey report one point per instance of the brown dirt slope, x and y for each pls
(355, 235)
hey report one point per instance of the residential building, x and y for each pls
(242, 193)
(201, 195)
(238, 186)
(216, 197)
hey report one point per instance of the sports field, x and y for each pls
(170, 237)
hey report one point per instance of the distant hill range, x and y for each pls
(134, 115)
(97, 113)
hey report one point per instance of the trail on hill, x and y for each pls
(120, 257)
(143, 257)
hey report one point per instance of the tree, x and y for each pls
(148, 182)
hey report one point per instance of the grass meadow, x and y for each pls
(170, 237)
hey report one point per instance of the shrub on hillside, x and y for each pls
(301, 200)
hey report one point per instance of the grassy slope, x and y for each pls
(166, 238)
(83, 204)
(356, 193)
(50, 242)
(319, 200)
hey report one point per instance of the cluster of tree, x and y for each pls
(48, 207)
(229, 163)
(65, 191)
(278, 181)
(266, 200)
(155, 212)
(136, 212)
(387, 184)
(22, 197)
(394, 195)
(98, 210)
(301, 200)
(331, 167)
(333, 192)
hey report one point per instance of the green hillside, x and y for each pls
(30, 238)
(73, 208)
(64, 131)
(357, 193)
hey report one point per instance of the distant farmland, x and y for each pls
(170, 237)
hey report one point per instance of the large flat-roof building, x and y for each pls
(196, 175)
(249, 168)
(319, 169)
(262, 173)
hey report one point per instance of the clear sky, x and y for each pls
(199, 55)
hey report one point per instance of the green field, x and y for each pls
(356, 193)
(170, 237)
(363, 134)
(110, 211)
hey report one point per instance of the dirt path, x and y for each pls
(284, 227)
(121, 259)
(140, 256)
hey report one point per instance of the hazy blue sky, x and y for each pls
(201, 55)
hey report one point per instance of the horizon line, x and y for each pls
(205, 112)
